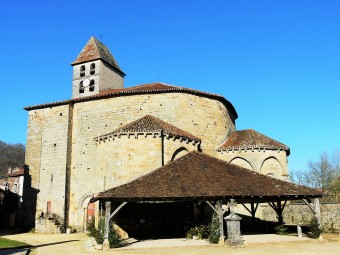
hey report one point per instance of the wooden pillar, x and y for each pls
(252, 210)
(316, 203)
(220, 219)
(279, 212)
(278, 208)
(315, 207)
(106, 244)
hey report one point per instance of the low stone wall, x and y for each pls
(47, 226)
(301, 214)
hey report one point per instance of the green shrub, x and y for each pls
(98, 234)
(214, 233)
(314, 230)
(114, 238)
(201, 231)
(91, 228)
(281, 230)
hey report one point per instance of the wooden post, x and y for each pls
(220, 219)
(106, 244)
(278, 208)
(316, 203)
(279, 212)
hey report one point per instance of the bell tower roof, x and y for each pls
(95, 50)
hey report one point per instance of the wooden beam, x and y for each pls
(117, 210)
(212, 207)
(246, 208)
(278, 208)
(252, 209)
(310, 205)
(108, 217)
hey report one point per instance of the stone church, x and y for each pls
(107, 135)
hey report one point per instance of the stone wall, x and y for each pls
(300, 213)
(47, 141)
(46, 149)
(268, 162)
(105, 77)
(202, 117)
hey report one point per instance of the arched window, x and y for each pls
(91, 85)
(81, 87)
(92, 68)
(82, 71)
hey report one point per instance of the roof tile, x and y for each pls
(151, 88)
(199, 176)
(149, 123)
(94, 50)
(251, 139)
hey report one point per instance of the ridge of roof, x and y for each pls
(149, 88)
(149, 123)
(200, 176)
(16, 172)
(93, 50)
(250, 139)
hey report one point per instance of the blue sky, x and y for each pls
(277, 62)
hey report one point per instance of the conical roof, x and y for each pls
(94, 50)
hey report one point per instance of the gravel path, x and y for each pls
(80, 243)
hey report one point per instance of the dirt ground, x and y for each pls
(78, 243)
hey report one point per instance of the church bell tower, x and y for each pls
(95, 70)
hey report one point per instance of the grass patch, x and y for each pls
(7, 243)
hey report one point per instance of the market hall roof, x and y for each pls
(151, 88)
(150, 124)
(197, 176)
(95, 50)
(251, 139)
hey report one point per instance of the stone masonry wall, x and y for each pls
(206, 118)
(126, 158)
(300, 213)
(263, 161)
(46, 149)
(109, 78)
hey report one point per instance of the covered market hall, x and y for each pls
(191, 189)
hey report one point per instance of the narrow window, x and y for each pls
(93, 68)
(15, 188)
(91, 85)
(82, 71)
(81, 87)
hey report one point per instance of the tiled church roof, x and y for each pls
(94, 50)
(251, 139)
(151, 88)
(199, 176)
(149, 123)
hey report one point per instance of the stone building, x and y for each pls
(11, 197)
(107, 135)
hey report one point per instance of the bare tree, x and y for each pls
(323, 174)
(11, 155)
